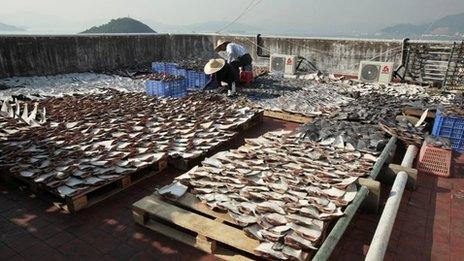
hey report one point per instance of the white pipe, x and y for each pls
(409, 156)
(382, 234)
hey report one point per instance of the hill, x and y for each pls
(121, 25)
(10, 28)
(451, 25)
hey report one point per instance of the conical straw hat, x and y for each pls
(219, 43)
(214, 65)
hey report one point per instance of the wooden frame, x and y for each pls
(190, 221)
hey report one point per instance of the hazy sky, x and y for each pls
(316, 16)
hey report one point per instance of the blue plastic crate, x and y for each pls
(202, 79)
(149, 87)
(157, 88)
(175, 89)
(450, 127)
(171, 68)
(162, 67)
(162, 89)
(181, 72)
(178, 89)
(191, 76)
(158, 67)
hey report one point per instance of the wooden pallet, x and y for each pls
(189, 221)
(92, 196)
(288, 116)
(186, 164)
(257, 118)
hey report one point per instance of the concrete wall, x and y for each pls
(340, 56)
(42, 55)
(188, 46)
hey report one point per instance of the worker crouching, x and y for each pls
(236, 58)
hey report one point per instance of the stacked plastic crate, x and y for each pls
(178, 88)
(196, 80)
(438, 160)
(450, 126)
(170, 87)
(191, 83)
(162, 67)
(193, 80)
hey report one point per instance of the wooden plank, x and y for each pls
(394, 169)
(372, 201)
(92, 196)
(189, 200)
(200, 241)
(220, 252)
(440, 53)
(205, 244)
(286, 116)
(209, 228)
(417, 112)
(257, 118)
(98, 194)
(140, 217)
(186, 164)
(433, 78)
(126, 182)
(442, 74)
(76, 203)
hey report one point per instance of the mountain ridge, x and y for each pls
(120, 25)
(10, 28)
(448, 25)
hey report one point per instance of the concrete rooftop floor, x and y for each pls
(429, 225)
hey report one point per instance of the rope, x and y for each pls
(249, 7)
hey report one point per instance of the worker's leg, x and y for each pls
(235, 66)
(213, 83)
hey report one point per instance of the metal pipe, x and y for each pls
(382, 234)
(383, 158)
(409, 156)
(331, 241)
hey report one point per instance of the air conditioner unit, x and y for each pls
(375, 71)
(283, 64)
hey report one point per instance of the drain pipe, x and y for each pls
(409, 157)
(382, 234)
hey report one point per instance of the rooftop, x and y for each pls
(88, 124)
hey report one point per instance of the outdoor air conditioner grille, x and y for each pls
(370, 72)
(278, 64)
